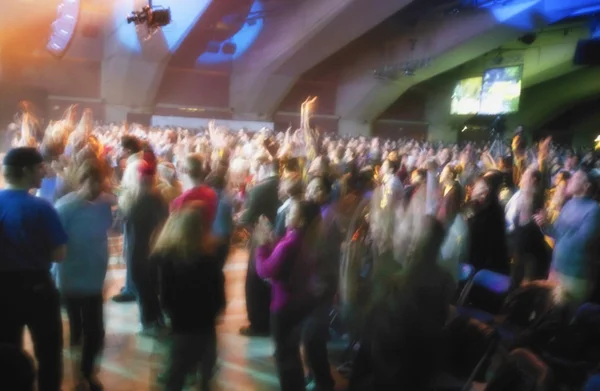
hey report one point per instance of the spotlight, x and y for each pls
(153, 17)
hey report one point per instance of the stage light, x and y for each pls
(153, 17)
(63, 28)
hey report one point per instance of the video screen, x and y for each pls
(501, 90)
(466, 97)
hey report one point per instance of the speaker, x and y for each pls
(213, 47)
(229, 48)
(587, 52)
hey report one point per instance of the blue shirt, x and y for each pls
(576, 232)
(48, 189)
(29, 231)
(87, 224)
(223, 224)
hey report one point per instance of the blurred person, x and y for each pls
(168, 183)
(192, 290)
(451, 196)
(31, 238)
(400, 346)
(531, 255)
(558, 196)
(487, 230)
(195, 173)
(144, 214)
(291, 190)
(50, 183)
(575, 232)
(86, 215)
(287, 265)
(222, 227)
(126, 172)
(261, 200)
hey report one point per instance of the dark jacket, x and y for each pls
(192, 292)
(263, 199)
(142, 221)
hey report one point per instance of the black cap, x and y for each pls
(22, 157)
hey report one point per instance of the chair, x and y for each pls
(470, 345)
(483, 296)
(523, 371)
(524, 308)
(466, 272)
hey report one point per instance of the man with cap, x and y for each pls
(31, 238)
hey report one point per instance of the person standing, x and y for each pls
(195, 172)
(87, 217)
(131, 148)
(144, 215)
(263, 199)
(576, 233)
(192, 290)
(289, 267)
(31, 238)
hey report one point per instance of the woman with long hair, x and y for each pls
(192, 292)
(288, 266)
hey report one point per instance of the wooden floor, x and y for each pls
(132, 362)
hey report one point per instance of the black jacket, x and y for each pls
(192, 292)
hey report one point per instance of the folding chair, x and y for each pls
(465, 274)
(483, 296)
(470, 345)
(523, 371)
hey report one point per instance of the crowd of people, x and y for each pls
(377, 232)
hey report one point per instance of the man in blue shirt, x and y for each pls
(86, 216)
(31, 238)
(576, 233)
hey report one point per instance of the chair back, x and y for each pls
(470, 346)
(523, 371)
(486, 291)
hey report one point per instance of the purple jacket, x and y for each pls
(290, 277)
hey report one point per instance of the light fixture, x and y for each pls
(153, 17)
(63, 28)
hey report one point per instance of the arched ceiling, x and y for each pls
(274, 50)
(290, 46)
(449, 41)
(548, 57)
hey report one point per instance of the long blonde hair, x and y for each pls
(185, 235)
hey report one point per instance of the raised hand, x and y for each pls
(540, 218)
(263, 233)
